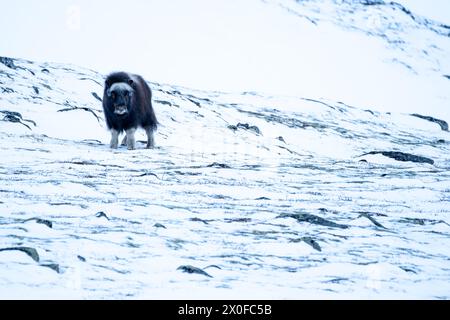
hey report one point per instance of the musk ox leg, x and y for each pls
(114, 139)
(150, 138)
(124, 141)
(131, 143)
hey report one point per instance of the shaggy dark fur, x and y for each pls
(127, 104)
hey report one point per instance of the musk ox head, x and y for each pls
(121, 95)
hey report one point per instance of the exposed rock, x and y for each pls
(275, 116)
(192, 269)
(418, 221)
(306, 217)
(401, 156)
(313, 243)
(194, 102)
(7, 90)
(443, 124)
(73, 108)
(48, 223)
(91, 141)
(407, 269)
(8, 62)
(101, 214)
(199, 220)
(230, 220)
(147, 174)
(95, 95)
(29, 251)
(245, 126)
(16, 117)
(213, 266)
(100, 84)
(163, 102)
(218, 165)
(375, 222)
(53, 266)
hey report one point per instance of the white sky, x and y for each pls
(195, 43)
(226, 45)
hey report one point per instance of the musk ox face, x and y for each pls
(121, 95)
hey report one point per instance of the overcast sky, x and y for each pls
(176, 41)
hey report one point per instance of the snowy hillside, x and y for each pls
(275, 192)
(247, 195)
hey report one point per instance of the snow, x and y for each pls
(433, 9)
(291, 97)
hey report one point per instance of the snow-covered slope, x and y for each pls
(269, 197)
(338, 189)
(371, 52)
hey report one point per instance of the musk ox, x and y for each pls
(127, 104)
